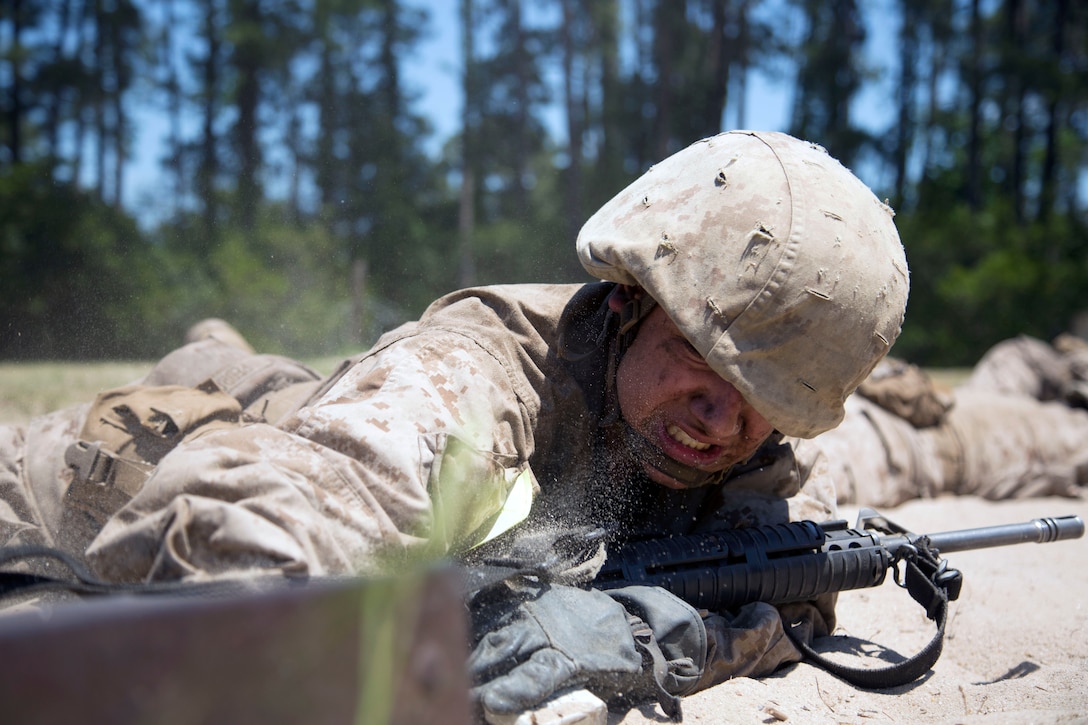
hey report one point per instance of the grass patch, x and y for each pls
(949, 377)
(30, 389)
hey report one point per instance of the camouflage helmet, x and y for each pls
(783, 269)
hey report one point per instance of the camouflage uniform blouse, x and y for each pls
(412, 448)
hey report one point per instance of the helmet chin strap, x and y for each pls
(635, 308)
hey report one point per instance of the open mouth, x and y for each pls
(678, 435)
(672, 463)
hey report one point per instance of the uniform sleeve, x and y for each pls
(411, 454)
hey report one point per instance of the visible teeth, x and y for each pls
(681, 437)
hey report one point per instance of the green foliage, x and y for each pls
(978, 278)
(80, 281)
(531, 247)
(285, 287)
(71, 268)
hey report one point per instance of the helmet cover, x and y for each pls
(777, 264)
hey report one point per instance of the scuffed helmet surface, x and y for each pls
(781, 267)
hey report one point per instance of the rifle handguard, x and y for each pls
(779, 563)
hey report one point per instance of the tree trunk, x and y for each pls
(466, 221)
(15, 103)
(522, 118)
(1048, 173)
(610, 157)
(937, 60)
(1015, 77)
(574, 103)
(974, 138)
(120, 152)
(719, 58)
(247, 63)
(325, 162)
(82, 99)
(669, 16)
(99, 104)
(122, 76)
(294, 150)
(908, 81)
(58, 92)
(742, 63)
(209, 161)
(173, 108)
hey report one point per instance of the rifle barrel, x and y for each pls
(1041, 531)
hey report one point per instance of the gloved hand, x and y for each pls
(562, 637)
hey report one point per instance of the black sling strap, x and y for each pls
(78, 581)
(75, 578)
(932, 584)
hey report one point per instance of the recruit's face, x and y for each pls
(671, 397)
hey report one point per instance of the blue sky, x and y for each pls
(433, 72)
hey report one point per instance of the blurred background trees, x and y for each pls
(295, 195)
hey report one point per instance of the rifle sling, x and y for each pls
(74, 578)
(77, 580)
(920, 580)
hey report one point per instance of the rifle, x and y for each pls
(798, 561)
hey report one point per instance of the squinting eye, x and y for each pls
(686, 349)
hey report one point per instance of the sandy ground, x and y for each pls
(1015, 652)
